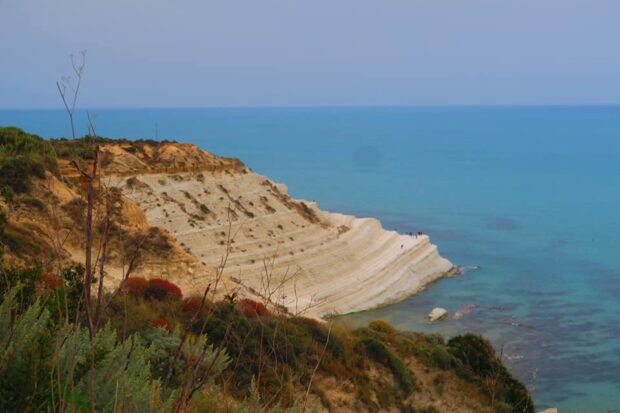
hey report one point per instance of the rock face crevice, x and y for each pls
(290, 251)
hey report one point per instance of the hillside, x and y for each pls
(284, 249)
(187, 224)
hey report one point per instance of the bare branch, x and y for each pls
(65, 82)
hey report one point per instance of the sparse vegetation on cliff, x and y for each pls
(242, 351)
(22, 156)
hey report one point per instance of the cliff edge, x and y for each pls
(287, 250)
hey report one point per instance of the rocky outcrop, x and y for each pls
(286, 250)
(437, 314)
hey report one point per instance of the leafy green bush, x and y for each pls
(382, 326)
(477, 361)
(23, 156)
(476, 355)
(26, 279)
(16, 172)
(380, 353)
(15, 141)
(45, 364)
(320, 334)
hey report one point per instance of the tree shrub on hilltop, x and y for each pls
(251, 308)
(136, 287)
(160, 289)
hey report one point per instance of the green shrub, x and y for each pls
(15, 141)
(477, 361)
(23, 156)
(402, 373)
(441, 357)
(44, 363)
(375, 349)
(319, 333)
(382, 326)
(16, 173)
(475, 354)
(380, 353)
(25, 278)
(7, 193)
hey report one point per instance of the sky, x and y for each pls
(204, 53)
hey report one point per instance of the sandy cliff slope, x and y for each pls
(290, 251)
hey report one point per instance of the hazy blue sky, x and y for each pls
(313, 52)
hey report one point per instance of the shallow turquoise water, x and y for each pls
(531, 195)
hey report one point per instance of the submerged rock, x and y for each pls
(462, 269)
(550, 410)
(437, 314)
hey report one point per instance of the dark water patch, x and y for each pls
(502, 308)
(437, 233)
(547, 303)
(392, 219)
(450, 235)
(503, 224)
(534, 291)
(605, 278)
(611, 328)
(555, 245)
(367, 159)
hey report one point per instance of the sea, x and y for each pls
(525, 199)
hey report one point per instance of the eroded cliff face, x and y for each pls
(198, 212)
(289, 251)
(46, 226)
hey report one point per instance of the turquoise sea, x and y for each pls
(529, 194)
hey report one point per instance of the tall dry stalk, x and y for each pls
(69, 91)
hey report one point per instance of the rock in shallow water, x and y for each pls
(550, 410)
(437, 314)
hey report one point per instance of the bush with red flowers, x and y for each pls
(251, 308)
(160, 289)
(192, 305)
(136, 287)
(159, 323)
(51, 281)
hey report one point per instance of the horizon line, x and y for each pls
(387, 106)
